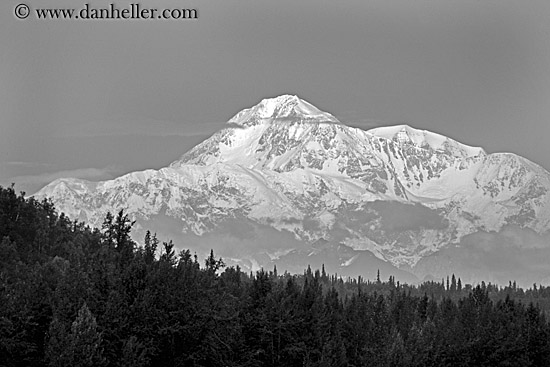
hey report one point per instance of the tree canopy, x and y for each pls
(73, 295)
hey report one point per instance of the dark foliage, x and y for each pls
(71, 295)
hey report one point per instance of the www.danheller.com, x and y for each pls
(89, 12)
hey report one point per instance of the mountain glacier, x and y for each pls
(284, 177)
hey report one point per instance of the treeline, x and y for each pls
(75, 296)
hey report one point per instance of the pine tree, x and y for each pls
(213, 264)
(86, 340)
(57, 353)
(79, 347)
(124, 244)
(453, 284)
(116, 234)
(169, 255)
(134, 353)
(150, 247)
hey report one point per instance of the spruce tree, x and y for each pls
(80, 346)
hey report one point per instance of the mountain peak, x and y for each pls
(287, 174)
(285, 107)
(405, 134)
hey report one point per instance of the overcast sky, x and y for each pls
(96, 99)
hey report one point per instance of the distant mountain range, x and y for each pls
(289, 185)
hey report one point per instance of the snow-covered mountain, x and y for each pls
(284, 175)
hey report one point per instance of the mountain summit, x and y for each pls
(273, 134)
(285, 107)
(283, 177)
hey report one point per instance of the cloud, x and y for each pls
(365, 124)
(126, 126)
(232, 238)
(25, 164)
(32, 183)
(357, 119)
(513, 253)
(397, 216)
(509, 237)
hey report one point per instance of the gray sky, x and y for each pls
(96, 99)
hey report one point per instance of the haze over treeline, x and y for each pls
(77, 296)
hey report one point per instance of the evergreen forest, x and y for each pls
(71, 295)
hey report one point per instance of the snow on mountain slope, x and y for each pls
(285, 164)
(404, 134)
